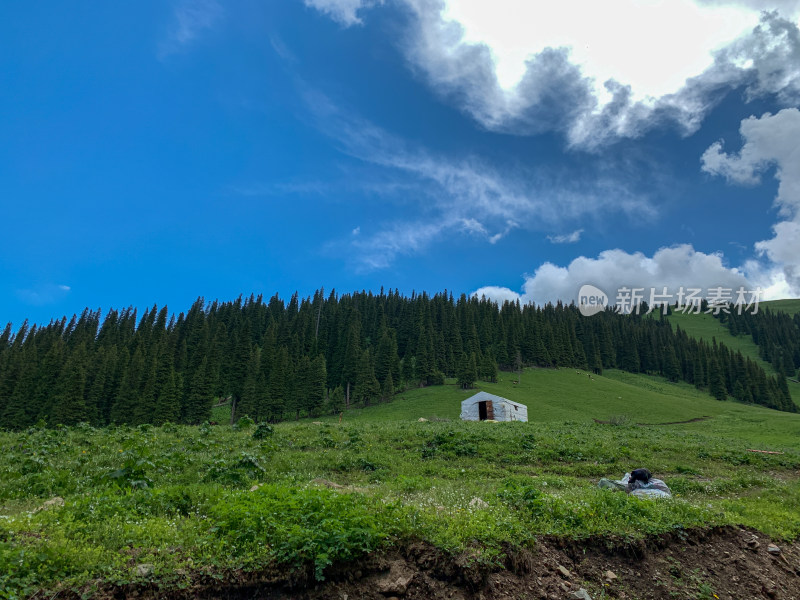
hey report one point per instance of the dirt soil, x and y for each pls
(725, 563)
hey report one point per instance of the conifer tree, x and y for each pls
(314, 389)
(387, 389)
(124, 407)
(168, 404)
(672, 369)
(19, 412)
(197, 406)
(336, 400)
(70, 404)
(466, 374)
(249, 402)
(367, 389)
(716, 384)
(488, 369)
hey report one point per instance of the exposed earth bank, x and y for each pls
(728, 563)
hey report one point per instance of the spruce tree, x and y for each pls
(70, 404)
(197, 406)
(367, 389)
(336, 400)
(716, 384)
(124, 408)
(248, 404)
(314, 389)
(387, 389)
(168, 404)
(466, 374)
(672, 369)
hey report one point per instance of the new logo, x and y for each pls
(591, 300)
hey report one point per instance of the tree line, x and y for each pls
(776, 333)
(274, 360)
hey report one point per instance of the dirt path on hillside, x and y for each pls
(695, 420)
(728, 563)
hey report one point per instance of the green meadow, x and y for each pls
(175, 504)
(789, 305)
(705, 327)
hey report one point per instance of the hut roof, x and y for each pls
(484, 396)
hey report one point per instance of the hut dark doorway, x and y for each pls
(485, 410)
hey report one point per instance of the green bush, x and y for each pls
(262, 431)
(304, 526)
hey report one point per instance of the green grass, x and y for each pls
(791, 306)
(706, 327)
(178, 498)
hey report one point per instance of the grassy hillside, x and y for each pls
(706, 327)
(175, 505)
(791, 306)
(562, 395)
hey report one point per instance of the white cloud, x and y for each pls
(602, 37)
(675, 267)
(597, 71)
(770, 141)
(345, 12)
(567, 238)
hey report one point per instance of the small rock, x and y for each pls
(422, 420)
(478, 503)
(395, 583)
(610, 576)
(752, 543)
(328, 484)
(56, 502)
(564, 571)
(254, 488)
(144, 570)
(581, 594)
(773, 549)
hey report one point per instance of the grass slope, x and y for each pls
(562, 395)
(791, 306)
(173, 505)
(706, 327)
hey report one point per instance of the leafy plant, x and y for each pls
(132, 474)
(263, 431)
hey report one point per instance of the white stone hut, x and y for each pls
(488, 407)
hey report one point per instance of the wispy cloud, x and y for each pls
(191, 19)
(566, 238)
(466, 194)
(43, 294)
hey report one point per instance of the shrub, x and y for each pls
(132, 474)
(244, 422)
(303, 526)
(262, 431)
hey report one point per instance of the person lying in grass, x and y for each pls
(639, 482)
(642, 483)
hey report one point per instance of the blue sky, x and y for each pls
(159, 151)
